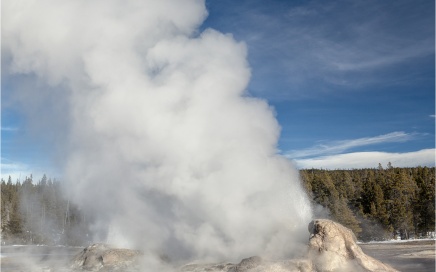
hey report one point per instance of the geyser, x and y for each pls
(165, 148)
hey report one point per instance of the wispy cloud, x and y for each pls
(356, 160)
(324, 45)
(13, 169)
(9, 129)
(336, 147)
(432, 116)
(19, 171)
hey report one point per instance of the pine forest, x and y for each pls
(377, 204)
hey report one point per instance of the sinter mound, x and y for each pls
(102, 257)
(332, 247)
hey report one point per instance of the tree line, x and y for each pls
(39, 213)
(377, 204)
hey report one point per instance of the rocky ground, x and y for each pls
(331, 248)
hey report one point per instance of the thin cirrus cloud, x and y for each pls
(9, 129)
(322, 45)
(19, 171)
(336, 147)
(12, 169)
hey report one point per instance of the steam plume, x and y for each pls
(164, 146)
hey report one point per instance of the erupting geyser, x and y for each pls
(165, 148)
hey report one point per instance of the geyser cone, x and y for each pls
(165, 148)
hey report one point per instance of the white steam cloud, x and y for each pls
(164, 146)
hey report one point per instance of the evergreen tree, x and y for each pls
(378, 201)
(342, 213)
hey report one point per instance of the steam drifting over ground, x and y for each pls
(164, 146)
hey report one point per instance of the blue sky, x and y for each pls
(352, 83)
(344, 77)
